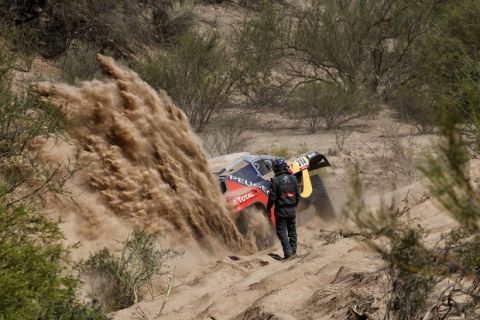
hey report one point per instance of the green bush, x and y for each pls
(411, 281)
(329, 104)
(118, 276)
(34, 280)
(24, 117)
(415, 106)
(195, 72)
(79, 63)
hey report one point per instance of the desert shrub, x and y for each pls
(78, 63)
(411, 266)
(396, 156)
(341, 136)
(302, 148)
(339, 55)
(117, 276)
(415, 106)
(25, 118)
(20, 39)
(204, 77)
(34, 280)
(256, 52)
(196, 74)
(445, 68)
(276, 151)
(329, 104)
(410, 277)
(281, 152)
(357, 42)
(228, 134)
(468, 252)
(416, 271)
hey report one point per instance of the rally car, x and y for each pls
(245, 183)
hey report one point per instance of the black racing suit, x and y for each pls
(285, 194)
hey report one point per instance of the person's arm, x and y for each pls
(272, 195)
(297, 190)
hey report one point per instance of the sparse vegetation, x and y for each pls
(342, 58)
(281, 152)
(228, 134)
(214, 78)
(329, 105)
(117, 277)
(410, 264)
(417, 270)
(303, 148)
(421, 58)
(35, 280)
(79, 63)
(26, 120)
(415, 106)
(341, 136)
(396, 156)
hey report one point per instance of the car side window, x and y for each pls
(263, 166)
(269, 165)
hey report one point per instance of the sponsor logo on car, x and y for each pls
(248, 183)
(303, 163)
(244, 197)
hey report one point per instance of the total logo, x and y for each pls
(244, 197)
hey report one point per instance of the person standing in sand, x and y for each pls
(284, 194)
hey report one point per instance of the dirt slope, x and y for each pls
(318, 284)
(331, 275)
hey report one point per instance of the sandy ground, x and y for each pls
(332, 272)
(317, 284)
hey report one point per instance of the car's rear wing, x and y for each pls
(301, 167)
(312, 161)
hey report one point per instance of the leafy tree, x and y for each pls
(257, 49)
(356, 49)
(355, 41)
(443, 70)
(203, 78)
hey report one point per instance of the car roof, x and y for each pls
(242, 160)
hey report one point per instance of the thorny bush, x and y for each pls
(118, 276)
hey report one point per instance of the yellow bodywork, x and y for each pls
(301, 164)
